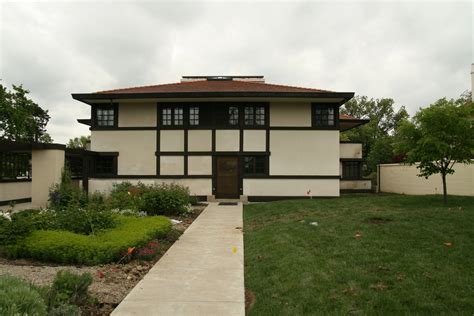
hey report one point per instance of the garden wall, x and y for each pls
(15, 191)
(403, 179)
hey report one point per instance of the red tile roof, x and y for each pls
(346, 117)
(212, 86)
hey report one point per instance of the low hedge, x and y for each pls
(107, 246)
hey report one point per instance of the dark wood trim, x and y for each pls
(9, 146)
(123, 128)
(291, 177)
(269, 198)
(346, 191)
(158, 140)
(350, 159)
(212, 153)
(152, 128)
(14, 180)
(150, 176)
(185, 160)
(349, 142)
(16, 201)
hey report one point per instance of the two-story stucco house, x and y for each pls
(224, 137)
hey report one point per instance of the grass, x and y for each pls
(400, 264)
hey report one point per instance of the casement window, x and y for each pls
(194, 116)
(105, 165)
(105, 115)
(351, 170)
(325, 115)
(254, 115)
(233, 116)
(255, 165)
(172, 116)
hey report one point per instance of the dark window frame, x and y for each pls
(94, 121)
(173, 108)
(347, 170)
(264, 159)
(113, 167)
(213, 115)
(323, 106)
(254, 115)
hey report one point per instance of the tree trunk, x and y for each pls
(445, 191)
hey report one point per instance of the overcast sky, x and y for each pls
(414, 52)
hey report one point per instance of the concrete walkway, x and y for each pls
(201, 274)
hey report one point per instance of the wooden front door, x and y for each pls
(227, 177)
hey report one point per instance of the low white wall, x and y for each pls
(356, 184)
(403, 179)
(196, 186)
(15, 190)
(291, 187)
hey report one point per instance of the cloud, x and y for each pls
(413, 52)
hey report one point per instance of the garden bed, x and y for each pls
(111, 282)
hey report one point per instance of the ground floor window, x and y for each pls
(351, 170)
(105, 165)
(255, 165)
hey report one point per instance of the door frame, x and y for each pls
(239, 176)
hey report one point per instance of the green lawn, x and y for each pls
(399, 265)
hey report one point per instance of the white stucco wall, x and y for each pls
(255, 140)
(46, 168)
(290, 114)
(15, 190)
(137, 114)
(196, 186)
(400, 178)
(200, 165)
(199, 140)
(348, 150)
(356, 184)
(136, 149)
(172, 165)
(291, 187)
(305, 152)
(172, 140)
(227, 140)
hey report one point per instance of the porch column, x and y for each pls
(46, 168)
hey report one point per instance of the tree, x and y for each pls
(438, 137)
(21, 119)
(384, 120)
(79, 142)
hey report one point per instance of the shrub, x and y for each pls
(165, 199)
(104, 247)
(66, 193)
(70, 288)
(19, 298)
(86, 220)
(14, 229)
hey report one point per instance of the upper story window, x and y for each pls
(172, 116)
(254, 115)
(194, 116)
(233, 115)
(325, 115)
(105, 115)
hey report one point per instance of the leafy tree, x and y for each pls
(21, 119)
(79, 142)
(384, 120)
(438, 137)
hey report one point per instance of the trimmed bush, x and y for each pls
(104, 247)
(70, 288)
(165, 199)
(18, 298)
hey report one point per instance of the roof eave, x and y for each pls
(85, 97)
